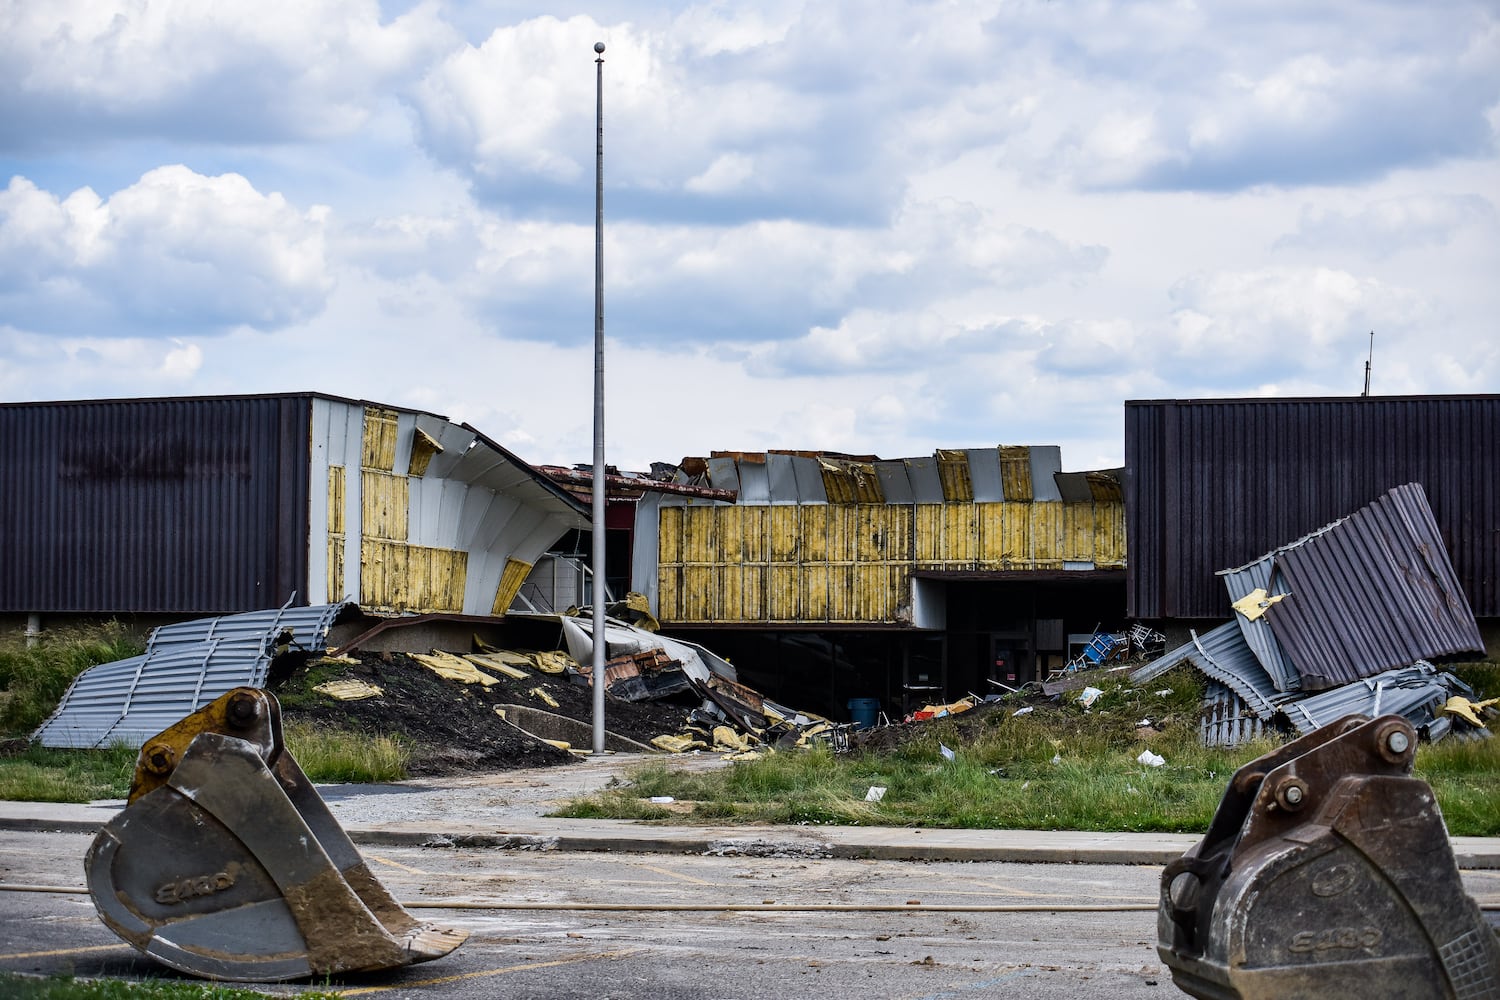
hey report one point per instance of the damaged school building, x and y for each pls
(827, 580)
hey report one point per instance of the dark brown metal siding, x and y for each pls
(161, 505)
(1213, 484)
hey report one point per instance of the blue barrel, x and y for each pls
(864, 711)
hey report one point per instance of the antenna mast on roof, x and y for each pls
(1368, 362)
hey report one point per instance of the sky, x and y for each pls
(863, 226)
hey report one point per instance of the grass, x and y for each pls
(16, 987)
(1056, 768)
(328, 754)
(34, 678)
(37, 774)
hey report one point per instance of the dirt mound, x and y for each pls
(453, 726)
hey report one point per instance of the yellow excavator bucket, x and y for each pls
(227, 864)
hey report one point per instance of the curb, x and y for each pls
(1469, 853)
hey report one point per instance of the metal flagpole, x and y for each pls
(598, 491)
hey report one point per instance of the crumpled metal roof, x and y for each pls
(1222, 655)
(186, 665)
(1417, 692)
(951, 475)
(1370, 592)
(1242, 583)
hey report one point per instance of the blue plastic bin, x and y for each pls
(864, 711)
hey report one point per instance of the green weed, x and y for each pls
(34, 678)
(328, 754)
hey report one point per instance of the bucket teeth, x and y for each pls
(227, 864)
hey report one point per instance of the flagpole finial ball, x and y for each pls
(598, 46)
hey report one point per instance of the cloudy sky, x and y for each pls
(861, 226)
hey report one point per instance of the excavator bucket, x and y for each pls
(1327, 872)
(227, 864)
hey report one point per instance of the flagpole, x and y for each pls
(598, 485)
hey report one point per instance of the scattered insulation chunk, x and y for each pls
(454, 668)
(349, 690)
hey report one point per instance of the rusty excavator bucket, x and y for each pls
(1327, 872)
(227, 864)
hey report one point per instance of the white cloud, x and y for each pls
(229, 70)
(175, 250)
(1279, 323)
(1392, 225)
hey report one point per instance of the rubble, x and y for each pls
(1343, 620)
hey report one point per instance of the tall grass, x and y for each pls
(37, 774)
(327, 754)
(1055, 768)
(34, 678)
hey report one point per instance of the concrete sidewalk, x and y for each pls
(507, 810)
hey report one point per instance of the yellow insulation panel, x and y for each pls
(784, 594)
(423, 447)
(1047, 535)
(953, 473)
(511, 578)
(699, 585)
(335, 568)
(386, 501)
(379, 439)
(395, 576)
(669, 544)
(819, 590)
(853, 562)
(336, 499)
(785, 533)
(1015, 472)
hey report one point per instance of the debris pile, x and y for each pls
(1344, 620)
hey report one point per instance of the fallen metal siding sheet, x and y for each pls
(185, 666)
(1226, 720)
(1222, 655)
(1258, 635)
(1416, 692)
(1213, 483)
(1369, 593)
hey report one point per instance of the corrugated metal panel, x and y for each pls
(1241, 583)
(895, 484)
(755, 485)
(809, 475)
(153, 505)
(185, 667)
(1369, 593)
(926, 484)
(781, 472)
(1417, 692)
(1226, 720)
(724, 473)
(1215, 483)
(1046, 463)
(984, 474)
(1223, 656)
